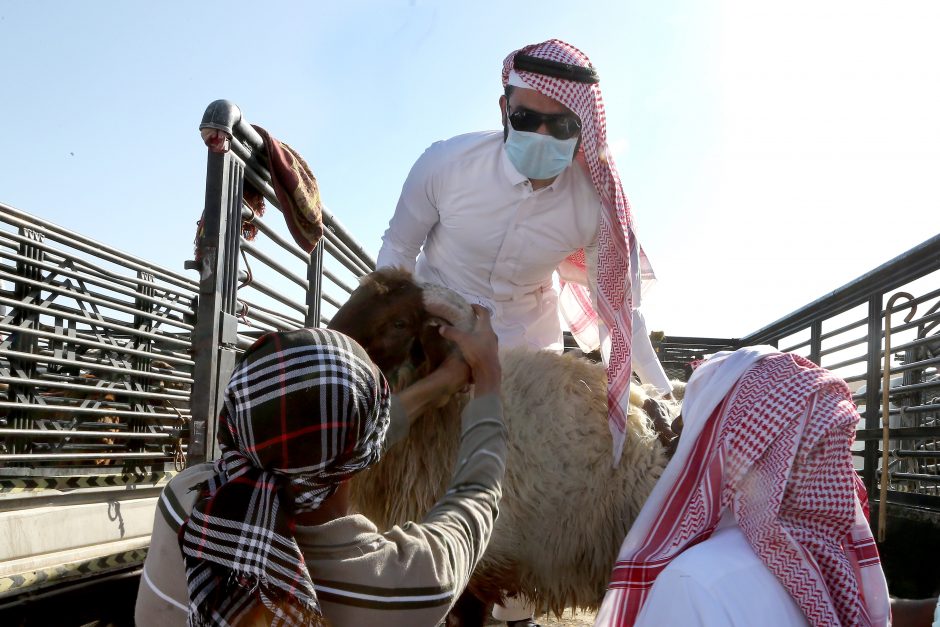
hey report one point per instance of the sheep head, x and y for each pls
(396, 320)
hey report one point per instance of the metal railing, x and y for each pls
(247, 288)
(844, 331)
(95, 364)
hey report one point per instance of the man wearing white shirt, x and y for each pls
(468, 218)
(492, 215)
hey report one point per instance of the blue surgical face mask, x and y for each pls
(538, 156)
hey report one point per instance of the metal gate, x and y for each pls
(845, 332)
(95, 371)
(247, 288)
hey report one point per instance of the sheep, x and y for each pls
(565, 509)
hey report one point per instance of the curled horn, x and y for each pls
(448, 305)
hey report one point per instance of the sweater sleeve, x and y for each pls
(457, 529)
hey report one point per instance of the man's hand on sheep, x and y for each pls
(480, 349)
(436, 389)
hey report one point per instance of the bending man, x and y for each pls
(264, 535)
(759, 517)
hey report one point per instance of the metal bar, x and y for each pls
(911, 476)
(861, 322)
(872, 396)
(916, 409)
(916, 454)
(226, 116)
(849, 362)
(350, 262)
(276, 237)
(124, 435)
(108, 282)
(916, 323)
(844, 346)
(345, 248)
(214, 334)
(94, 344)
(339, 283)
(330, 300)
(315, 286)
(342, 234)
(90, 389)
(92, 365)
(900, 433)
(98, 299)
(923, 341)
(916, 365)
(815, 341)
(93, 322)
(273, 293)
(904, 268)
(913, 499)
(74, 240)
(40, 457)
(793, 347)
(903, 389)
(274, 319)
(253, 250)
(90, 411)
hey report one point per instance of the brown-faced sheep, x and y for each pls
(564, 510)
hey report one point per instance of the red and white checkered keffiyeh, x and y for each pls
(614, 289)
(775, 451)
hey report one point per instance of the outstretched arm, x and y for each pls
(431, 392)
(457, 529)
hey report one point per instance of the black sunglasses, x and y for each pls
(559, 125)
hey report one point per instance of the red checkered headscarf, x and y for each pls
(775, 452)
(304, 411)
(614, 289)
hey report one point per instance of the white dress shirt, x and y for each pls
(468, 220)
(720, 583)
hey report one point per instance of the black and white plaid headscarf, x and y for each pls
(304, 410)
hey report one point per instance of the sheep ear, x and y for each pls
(447, 305)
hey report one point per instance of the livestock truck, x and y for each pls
(111, 371)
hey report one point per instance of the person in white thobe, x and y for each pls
(715, 583)
(468, 220)
(476, 216)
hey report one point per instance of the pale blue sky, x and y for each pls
(771, 151)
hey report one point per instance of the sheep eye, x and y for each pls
(400, 324)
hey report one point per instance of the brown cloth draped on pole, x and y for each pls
(294, 185)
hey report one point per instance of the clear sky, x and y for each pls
(772, 151)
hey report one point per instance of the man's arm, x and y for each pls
(458, 527)
(431, 392)
(415, 216)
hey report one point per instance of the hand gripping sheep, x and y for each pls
(564, 510)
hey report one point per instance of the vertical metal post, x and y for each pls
(872, 394)
(215, 332)
(315, 281)
(24, 342)
(145, 287)
(815, 341)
